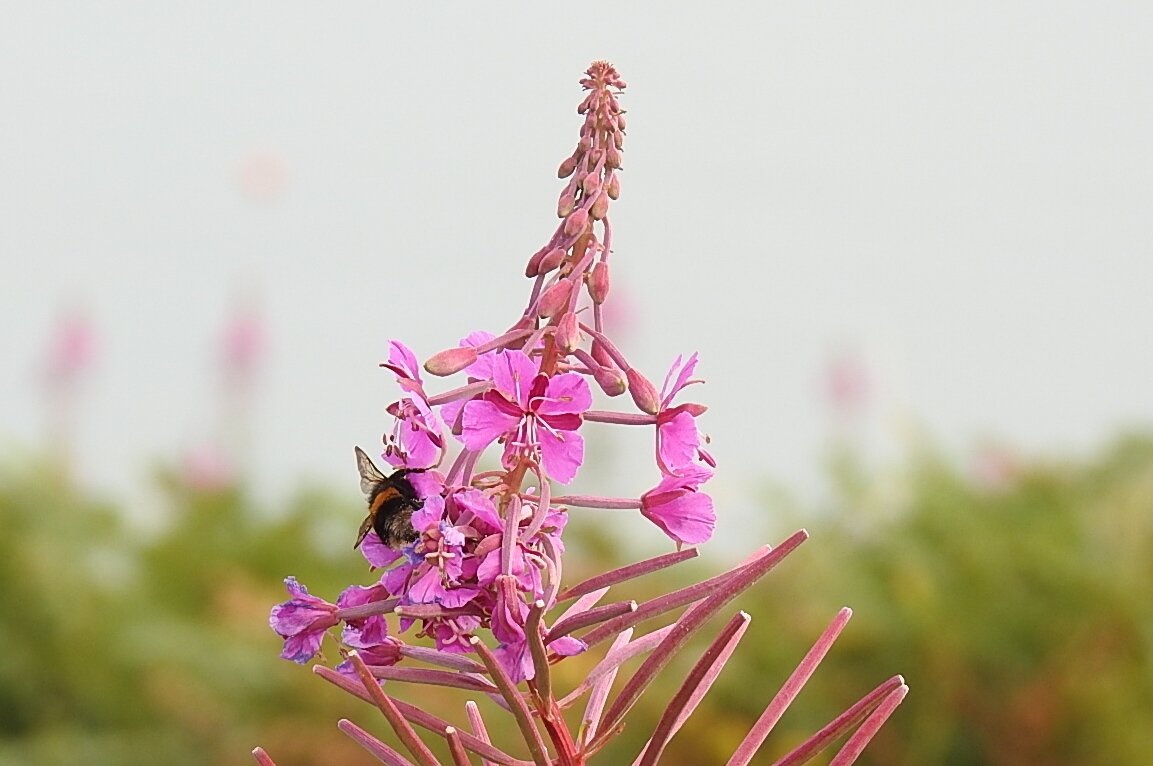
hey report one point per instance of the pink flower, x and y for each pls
(301, 622)
(677, 506)
(416, 440)
(537, 416)
(678, 441)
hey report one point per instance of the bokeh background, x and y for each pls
(910, 241)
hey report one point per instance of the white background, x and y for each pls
(957, 195)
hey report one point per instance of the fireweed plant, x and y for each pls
(482, 585)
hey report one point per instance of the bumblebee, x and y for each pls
(391, 502)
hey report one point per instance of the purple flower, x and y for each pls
(369, 631)
(536, 416)
(677, 506)
(301, 622)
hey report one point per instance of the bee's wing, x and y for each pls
(365, 528)
(369, 476)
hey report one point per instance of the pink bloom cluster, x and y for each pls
(488, 547)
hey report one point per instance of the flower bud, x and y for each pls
(551, 260)
(601, 355)
(613, 187)
(598, 283)
(590, 184)
(618, 139)
(450, 360)
(600, 207)
(621, 123)
(533, 267)
(613, 158)
(566, 168)
(611, 380)
(644, 393)
(568, 335)
(555, 299)
(576, 222)
(567, 202)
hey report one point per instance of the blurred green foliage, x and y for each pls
(1018, 606)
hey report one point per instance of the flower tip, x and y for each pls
(450, 361)
(644, 393)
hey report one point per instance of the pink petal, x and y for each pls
(481, 369)
(566, 393)
(561, 453)
(687, 519)
(483, 422)
(512, 374)
(681, 381)
(402, 361)
(678, 440)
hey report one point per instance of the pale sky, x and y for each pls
(958, 194)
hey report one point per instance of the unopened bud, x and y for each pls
(601, 355)
(644, 393)
(613, 158)
(618, 139)
(450, 360)
(566, 204)
(584, 105)
(555, 299)
(568, 334)
(567, 167)
(532, 268)
(621, 123)
(600, 207)
(551, 260)
(598, 283)
(611, 380)
(576, 222)
(613, 187)
(590, 183)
